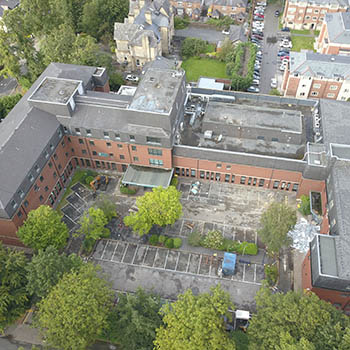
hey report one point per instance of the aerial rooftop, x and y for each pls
(157, 91)
(338, 27)
(55, 90)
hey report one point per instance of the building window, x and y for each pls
(41, 198)
(66, 154)
(243, 178)
(260, 137)
(108, 144)
(228, 167)
(261, 182)
(59, 166)
(36, 188)
(276, 184)
(46, 188)
(77, 131)
(274, 139)
(136, 159)
(232, 178)
(94, 153)
(37, 169)
(150, 139)
(117, 136)
(121, 156)
(63, 144)
(295, 187)
(51, 147)
(218, 165)
(26, 203)
(106, 134)
(250, 181)
(316, 86)
(307, 17)
(333, 87)
(111, 155)
(201, 174)
(333, 222)
(55, 156)
(138, 62)
(47, 154)
(193, 173)
(54, 174)
(120, 146)
(41, 178)
(50, 165)
(88, 132)
(133, 148)
(65, 129)
(81, 141)
(20, 193)
(331, 203)
(302, 94)
(314, 93)
(156, 162)
(19, 214)
(254, 181)
(330, 95)
(92, 143)
(155, 152)
(132, 137)
(227, 177)
(83, 151)
(314, 18)
(283, 185)
(30, 177)
(98, 164)
(316, 11)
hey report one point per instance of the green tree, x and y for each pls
(93, 224)
(43, 228)
(13, 280)
(108, 207)
(296, 321)
(134, 321)
(274, 92)
(115, 81)
(74, 313)
(195, 322)
(7, 103)
(193, 47)
(160, 207)
(226, 51)
(275, 224)
(46, 269)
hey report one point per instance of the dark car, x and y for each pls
(283, 53)
(285, 29)
(256, 36)
(277, 13)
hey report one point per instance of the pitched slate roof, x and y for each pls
(338, 27)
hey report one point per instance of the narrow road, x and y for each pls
(270, 48)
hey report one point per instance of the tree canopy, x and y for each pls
(47, 268)
(195, 322)
(133, 322)
(108, 207)
(76, 309)
(296, 321)
(275, 224)
(193, 47)
(160, 207)
(43, 228)
(7, 103)
(13, 280)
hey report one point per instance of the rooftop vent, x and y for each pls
(317, 161)
(61, 92)
(151, 79)
(332, 58)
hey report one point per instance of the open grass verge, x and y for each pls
(301, 31)
(302, 43)
(79, 176)
(196, 67)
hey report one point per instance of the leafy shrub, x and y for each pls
(193, 47)
(169, 243)
(239, 248)
(213, 240)
(115, 81)
(162, 239)
(194, 239)
(181, 23)
(88, 245)
(153, 240)
(274, 92)
(304, 206)
(127, 190)
(271, 274)
(174, 181)
(177, 243)
(88, 180)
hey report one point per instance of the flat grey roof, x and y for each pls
(308, 63)
(328, 258)
(254, 116)
(317, 154)
(210, 83)
(341, 151)
(55, 90)
(338, 27)
(147, 177)
(157, 91)
(341, 194)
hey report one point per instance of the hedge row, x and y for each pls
(127, 190)
(165, 241)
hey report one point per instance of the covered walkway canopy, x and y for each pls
(147, 177)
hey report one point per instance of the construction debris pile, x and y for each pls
(302, 235)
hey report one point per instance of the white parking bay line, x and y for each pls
(254, 272)
(126, 248)
(104, 249)
(243, 273)
(114, 250)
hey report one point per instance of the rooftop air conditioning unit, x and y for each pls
(318, 134)
(317, 161)
(208, 134)
(317, 124)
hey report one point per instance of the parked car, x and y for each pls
(258, 32)
(133, 78)
(273, 83)
(226, 31)
(283, 67)
(283, 53)
(261, 3)
(256, 81)
(285, 62)
(257, 36)
(284, 58)
(277, 13)
(259, 15)
(285, 29)
(257, 18)
(287, 46)
(253, 89)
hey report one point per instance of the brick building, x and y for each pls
(314, 75)
(307, 14)
(334, 37)
(191, 8)
(231, 8)
(68, 119)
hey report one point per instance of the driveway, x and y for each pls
(208, 34)
(270, 48)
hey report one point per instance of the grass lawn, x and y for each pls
(205, 67)
(79, 176)
(302, 42)
(301, 31)
(241, 339)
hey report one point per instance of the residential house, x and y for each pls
(231, 8)
(334, 37)
(191, 8)
(145, 34)
(315, 75)
(310, 14)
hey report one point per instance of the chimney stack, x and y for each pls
(148, 16)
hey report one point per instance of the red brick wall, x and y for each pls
(292, 86)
